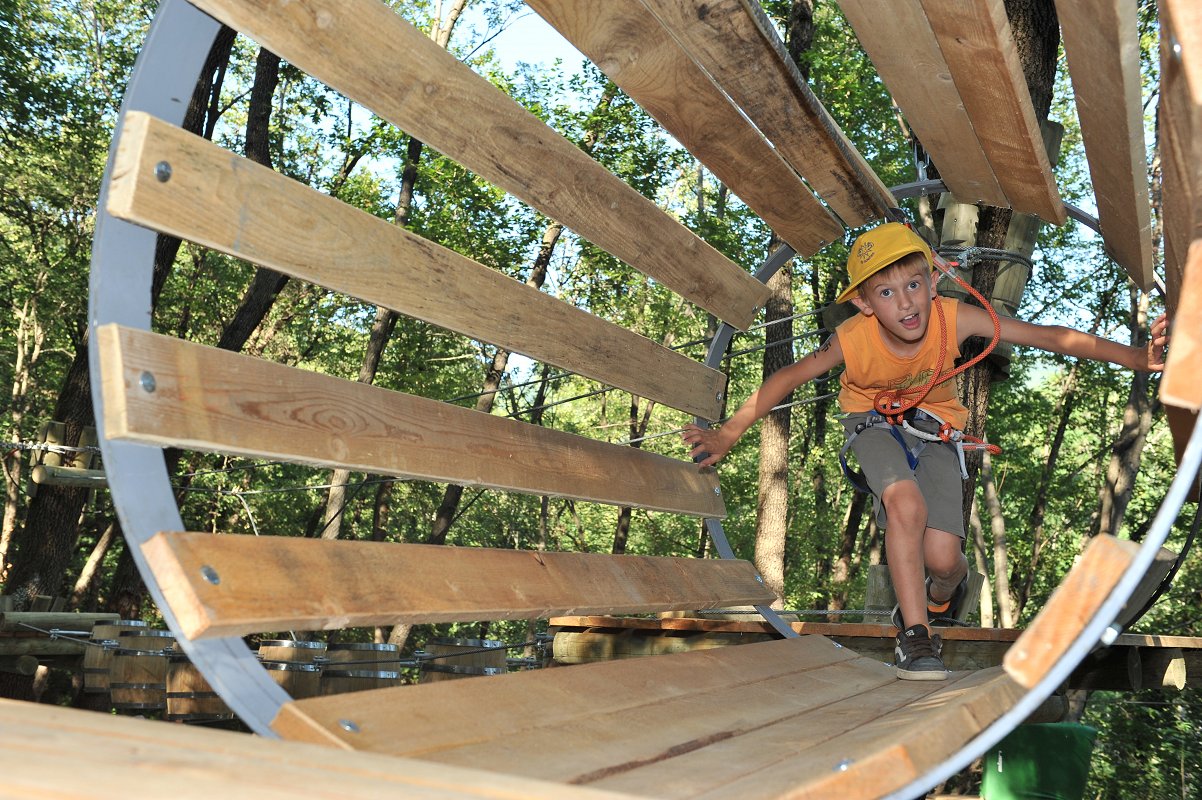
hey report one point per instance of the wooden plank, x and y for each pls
(251, 212)
(439, 717)
(633, 49)
(1069, 609)
(1180, 385)
(885, 754)
(741, 761)
(921, 84)
(282, 582)
(975, 38)
(735, 43)
(19, 621)
(363, 49)
(1180, 116)
(121, 757)
(1101, 45)
(213, 400)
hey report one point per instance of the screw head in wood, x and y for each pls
(211, 575)
(162, 171)
(147, 382)
(348, 726)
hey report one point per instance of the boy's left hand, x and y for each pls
(1157, 343)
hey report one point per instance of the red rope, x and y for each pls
(892, 404)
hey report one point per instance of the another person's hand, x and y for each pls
(1157, 343)
(708, 442)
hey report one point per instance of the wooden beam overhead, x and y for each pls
(628, 44)
(975, 38)
(248, 211)
(735, 43)
(920, 82)
(1101, 44)
(270, 583)
(365, 50)
(169, 392)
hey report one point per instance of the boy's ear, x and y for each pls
(859, 303)
(933, 281)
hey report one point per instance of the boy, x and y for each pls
(891, 350)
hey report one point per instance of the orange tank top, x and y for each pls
(872, 367)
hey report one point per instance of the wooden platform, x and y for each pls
(51, 751)
(1135, 661)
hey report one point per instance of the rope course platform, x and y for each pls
(798, 714)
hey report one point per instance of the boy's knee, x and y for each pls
(905, 506)
(946, 577)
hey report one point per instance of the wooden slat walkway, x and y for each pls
(249, 211)
(1101, 44)
(365, 50)
(230, 585)
(214, 400)
(1181, 159)
(736, 45)
(974, 57)
(50, 751)
(920, 82)
(747, 721)
(634, 50)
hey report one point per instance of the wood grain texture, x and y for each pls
(366, 51)
(1180, 113)
(249, 211)
(975, 39)
(274, 583)
(921, 84)
(771, 719)
(442, 717)
(1101, 44)
(1180, 385)
(1069, 609)
(735, 44)
(214, 400)
(632, 48)
(115, 758)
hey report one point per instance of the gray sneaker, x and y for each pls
(917, 655)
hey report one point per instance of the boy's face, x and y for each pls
(900, 298)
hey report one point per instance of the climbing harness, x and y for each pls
(897, 408)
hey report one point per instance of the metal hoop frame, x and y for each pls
(162, 83)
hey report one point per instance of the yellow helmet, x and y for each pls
(876, 249)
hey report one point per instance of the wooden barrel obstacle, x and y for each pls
(98, 658)
(216, 589)
(138, 678)
(448, 659)
(358, 666)
(189, 697)
(294, 665)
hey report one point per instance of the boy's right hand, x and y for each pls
(708, 444)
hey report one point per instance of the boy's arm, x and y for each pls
(714, 443)
(974, 321)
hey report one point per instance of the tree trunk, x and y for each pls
(772, 506)
(1128, 447)
(86, 583)
(978, 533)
(997, 525)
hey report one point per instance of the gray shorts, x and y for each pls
(938, 472)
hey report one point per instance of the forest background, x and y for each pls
(1085, 449)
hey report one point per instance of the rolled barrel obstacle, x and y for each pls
(795, 715)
